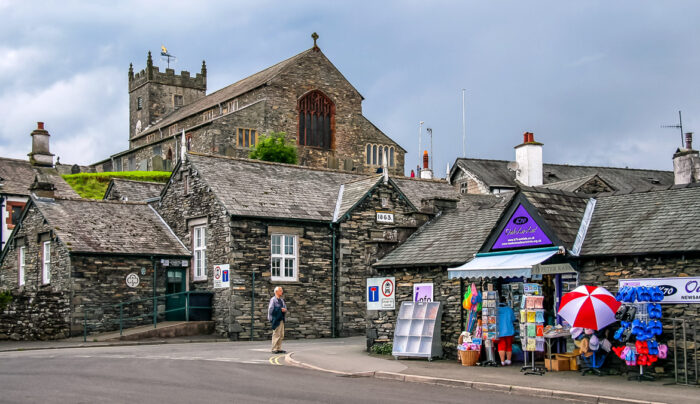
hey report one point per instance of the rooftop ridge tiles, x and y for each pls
(572, 165)
(104, 201)
(137, 181)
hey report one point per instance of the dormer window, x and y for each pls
(316, 120)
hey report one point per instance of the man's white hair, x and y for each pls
(277, 287)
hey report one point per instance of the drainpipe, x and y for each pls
(333, 269)
(155, 299)
(252, 306)
(2, 217)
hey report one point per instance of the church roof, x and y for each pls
(18, 175)
(495, 173)
(135, 191)
(90, 226)
(229, 92)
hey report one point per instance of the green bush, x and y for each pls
(94, 185)
(274, 147)
(5, 299)
(382, 349)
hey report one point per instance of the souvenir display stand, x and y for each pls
(417, 332)
(532, 327)
(489, 324)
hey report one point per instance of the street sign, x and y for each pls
(132, 280)
(381, 293)
(222, 276)
(422, 292)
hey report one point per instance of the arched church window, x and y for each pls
(369, 154)
(391, 156)
(316, 120)
(374, 154)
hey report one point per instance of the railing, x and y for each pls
(154, 313)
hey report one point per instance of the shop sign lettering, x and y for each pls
(521, 231)
(676, 290)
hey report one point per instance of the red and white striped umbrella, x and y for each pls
(589, 307)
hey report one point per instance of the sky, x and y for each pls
(593, 80)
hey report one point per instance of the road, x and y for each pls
(188, 373)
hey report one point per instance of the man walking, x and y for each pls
(275, 314)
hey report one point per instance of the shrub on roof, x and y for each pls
(94, 185)
(274, 147)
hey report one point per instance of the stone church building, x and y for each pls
(305, 96)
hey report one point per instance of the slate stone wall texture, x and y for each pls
(356, 253)
(380, 324)
(36, 315)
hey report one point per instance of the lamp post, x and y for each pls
(420, 152)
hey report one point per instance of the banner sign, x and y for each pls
(676, 290)
(422, 292)
(521, 231)
(380, 293)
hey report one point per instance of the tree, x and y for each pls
(274, 147)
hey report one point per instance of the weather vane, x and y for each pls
(164, 53)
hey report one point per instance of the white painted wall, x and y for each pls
(6, 214)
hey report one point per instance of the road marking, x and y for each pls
(275, 360)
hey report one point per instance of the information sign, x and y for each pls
(381, 293)
(222, 276)
(422, 292)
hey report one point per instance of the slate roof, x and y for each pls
(90, 226)
(648, 222)
(450, 239)
(135, 191)
(262, 189)
(18, 175)
(419, 189)
(355, 190)
(563, 211)
(573, 184)
(496, 174)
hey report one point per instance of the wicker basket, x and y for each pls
(469, 358)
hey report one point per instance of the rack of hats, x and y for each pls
(532, 325)
(640, 324)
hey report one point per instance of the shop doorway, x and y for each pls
(175, 305)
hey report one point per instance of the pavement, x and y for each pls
(347, 357)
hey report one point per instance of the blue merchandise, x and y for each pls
(506, 319)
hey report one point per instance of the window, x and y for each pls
(247, 137)
(316, 120)
(369, 154)
(139, 103)
(391, 156)
(22, 263)
(377, 153)
(46, 263)
(177, 101)
(283, 264)
(14, 210)
(186, 183)
(374, 154)
(199, 246)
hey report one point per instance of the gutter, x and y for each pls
(333, 270)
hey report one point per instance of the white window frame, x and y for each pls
(22, 257)
(282, 257)
(199, 253)
(46, 262)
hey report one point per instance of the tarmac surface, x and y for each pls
(342, 359)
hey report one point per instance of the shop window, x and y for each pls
(199, 248)
(46, 263)
(247, 138)
(283, 257)
(316, 120)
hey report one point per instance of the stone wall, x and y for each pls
(380, 324)
(36, 315)
(357, 239)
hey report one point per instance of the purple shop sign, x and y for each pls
(676, 290)
(521, 231)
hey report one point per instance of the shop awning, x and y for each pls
(509, 264)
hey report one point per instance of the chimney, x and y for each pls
(42, 186)
(686, 163)
(40, 155)
(426, 172)
(528, 155)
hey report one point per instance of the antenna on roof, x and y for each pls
(679, 126)
(166, 56)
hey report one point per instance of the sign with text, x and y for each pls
(222, 276)
(385, 217)
(521, 231)
(381, 293)
(676, 290)
(422, 292)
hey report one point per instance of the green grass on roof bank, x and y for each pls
(94, 185)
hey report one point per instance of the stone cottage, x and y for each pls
(313, 231)
(304, 96)
(69, 261)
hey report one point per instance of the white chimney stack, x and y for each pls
(686, 163)
(528, 155)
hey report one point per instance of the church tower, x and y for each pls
(154, 94)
